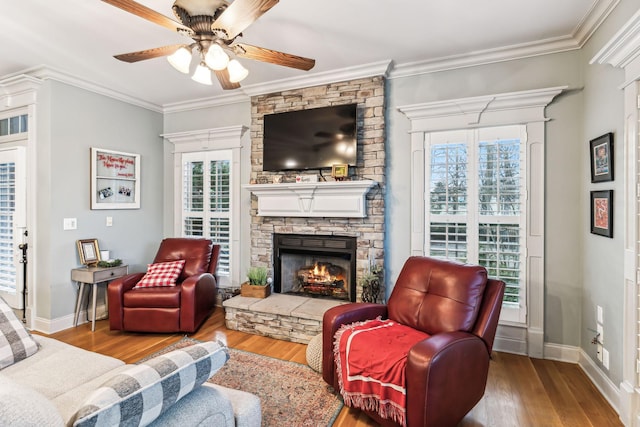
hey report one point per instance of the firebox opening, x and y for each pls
(315, 276)
(315, 266)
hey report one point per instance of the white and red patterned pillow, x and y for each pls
(161, 274)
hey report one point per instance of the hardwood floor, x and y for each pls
(520, 391)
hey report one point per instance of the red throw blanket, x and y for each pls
(371, 357)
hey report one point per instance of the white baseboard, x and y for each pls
(606, 387)
(50, 326)
(600, 380)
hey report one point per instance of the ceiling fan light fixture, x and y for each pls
(181, 59)
(237, 72)
(216, 58)
(202, 74)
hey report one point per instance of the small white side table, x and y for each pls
(94, 276)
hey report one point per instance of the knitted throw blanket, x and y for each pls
(371, 357)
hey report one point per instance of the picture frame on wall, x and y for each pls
(601, 150)
(602, 213)
(115, 179)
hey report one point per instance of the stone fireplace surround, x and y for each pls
(296, 318)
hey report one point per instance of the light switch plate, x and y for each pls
(70, 224)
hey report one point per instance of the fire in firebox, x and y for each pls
(323, 279)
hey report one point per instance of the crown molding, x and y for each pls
(581, 34)
(197, 104)
(592, 21)
(44, 72)
(380, 68)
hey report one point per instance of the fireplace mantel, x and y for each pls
(346, 199)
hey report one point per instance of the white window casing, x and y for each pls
(527, 109)
(214, 147)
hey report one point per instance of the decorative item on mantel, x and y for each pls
(258, 285)
(371, 283)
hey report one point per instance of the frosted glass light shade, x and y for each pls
(202, 74)
(180, 59)
(216, 58)
(237, 72)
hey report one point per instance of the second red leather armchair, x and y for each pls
(180, 308)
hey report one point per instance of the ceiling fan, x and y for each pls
(213, 26)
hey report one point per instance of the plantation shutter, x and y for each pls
(206, 201)
(475, 206)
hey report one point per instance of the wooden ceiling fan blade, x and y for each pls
(223, 78)
(149, 14)
(274, 57)
(239, 15)
(142, 55)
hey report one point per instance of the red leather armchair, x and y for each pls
(446, 373)
(180, 308)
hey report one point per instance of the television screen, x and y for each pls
(310, 139)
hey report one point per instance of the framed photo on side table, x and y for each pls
(601, 150)
(88, 251)
(115, 179)
(602, 213)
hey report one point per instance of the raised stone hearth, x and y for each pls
(280, 316)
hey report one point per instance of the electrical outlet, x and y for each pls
(599, 314)
(599, 350)
(600, 331)
(605, 358)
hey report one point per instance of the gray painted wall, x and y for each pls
(603, 266)
(69, 122)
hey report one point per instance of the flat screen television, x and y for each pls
(310, 139)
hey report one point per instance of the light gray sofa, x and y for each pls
(49, 387)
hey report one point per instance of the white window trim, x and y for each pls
(225, 138)
(527, 108)
(471, 137)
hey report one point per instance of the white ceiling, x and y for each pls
(78, 38)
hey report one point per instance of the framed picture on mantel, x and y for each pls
(115, 179)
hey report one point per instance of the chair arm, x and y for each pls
(333, 319)
(115, 295)
(446, 376)
(197, 300)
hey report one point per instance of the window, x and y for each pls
(206, 201)
(475, 208)
(14, 125)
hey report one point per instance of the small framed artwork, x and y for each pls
(601, 150)
(340, 172)
(602, 213)
(88, 251)
(115, 179)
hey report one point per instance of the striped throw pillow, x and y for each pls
(141, 393)
(16, 343)
(161, 274)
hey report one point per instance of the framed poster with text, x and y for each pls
(115, 179)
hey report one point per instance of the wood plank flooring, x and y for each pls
(521, 392)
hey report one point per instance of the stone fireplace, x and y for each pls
(315, 266)
(367, 230)
(355, 222)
